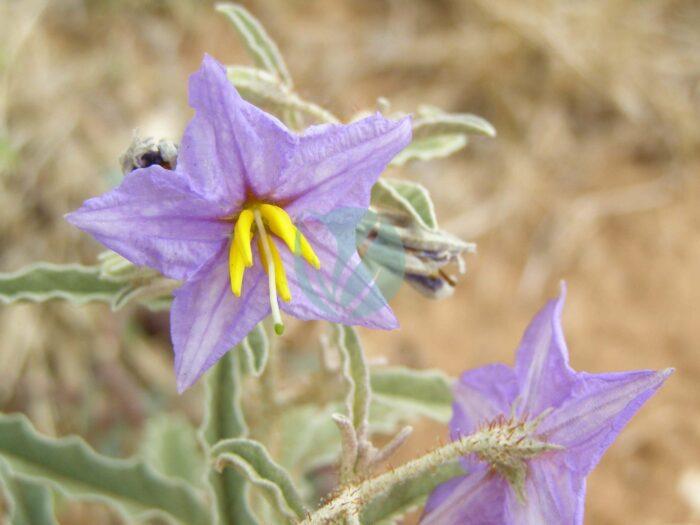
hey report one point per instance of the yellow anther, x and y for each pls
(281, 225)
(280, 275)
(242, 236)
(256, 220)
(236, 269)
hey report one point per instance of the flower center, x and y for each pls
(258, 219)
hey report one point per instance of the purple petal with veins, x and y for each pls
(580, 412)
(234, 156)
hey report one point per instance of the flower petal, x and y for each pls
(154, 219)
(542, 362)
(598, 409)
(476, 499)
(207, 320)
(481, 395)
(553, 495)
(230, 147)
(342, 290)
(336, 165)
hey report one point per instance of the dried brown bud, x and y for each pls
(144, 152)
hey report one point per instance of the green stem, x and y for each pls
(224, 419)
(365, 491)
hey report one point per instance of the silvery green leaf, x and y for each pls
(265, 511)
(223, 419)
(116, 268)
(44, 281)
(407, 496)
(147, 290)
(405, 197)
(254, 351)
(425, 392)
(356, 374)
(431, 147)
(125, 296)
(385, 419)
(141, 284)
(251, 459)
(71, 467)
(265, 89)
(259, 44)
(437, 134)
(223, 416)
(258, 85)
(308, 437)
(158, 304)
(30, 503)
(169, 444)
(428, 110)
(438, 123)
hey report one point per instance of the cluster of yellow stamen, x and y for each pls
(257, 219)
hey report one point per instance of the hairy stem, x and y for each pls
(362, 493)
(489, 442)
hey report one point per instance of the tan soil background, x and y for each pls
(592, 179)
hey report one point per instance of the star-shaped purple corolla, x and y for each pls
(579, 413)
(299, 195)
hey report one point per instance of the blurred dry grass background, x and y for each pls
(593, 179)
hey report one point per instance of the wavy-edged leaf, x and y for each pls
(169, 444)
(407, 496)
(431, 147)
(251, 459)
(44, 281)
(356, 374)
(70, 466)
(141, 284)
(116, 268)
(259, 44)
(405, 197)
(223, 419)
(259, 86)
(437, 134)
(30, 503)
(254, 351)
(264, 89)
(439, 123)
(145, 290)
(426, 392)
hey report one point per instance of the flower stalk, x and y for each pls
(488, 441)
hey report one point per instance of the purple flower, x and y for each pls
(240, 170)
(545, 400)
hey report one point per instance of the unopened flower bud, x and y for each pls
(422, 256)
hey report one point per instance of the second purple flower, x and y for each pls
(559, 422)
